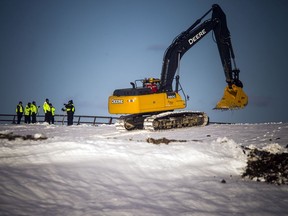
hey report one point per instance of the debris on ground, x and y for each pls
(11, 136)
(267, 167)
(163, 140)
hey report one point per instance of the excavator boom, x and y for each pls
(234, 97)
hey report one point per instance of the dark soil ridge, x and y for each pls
(163, 141)
(267, 167)
(11, 136)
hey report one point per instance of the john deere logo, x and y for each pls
(197, 37)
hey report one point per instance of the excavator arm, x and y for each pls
(234, 96)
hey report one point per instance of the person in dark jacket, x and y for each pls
(70, 109)
(19, 111)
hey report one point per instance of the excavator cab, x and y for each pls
(234, 98)
(152, 83)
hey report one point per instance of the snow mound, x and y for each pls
(273, 148)
(88, 170)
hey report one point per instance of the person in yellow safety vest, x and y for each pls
(27, 113)
(47, 111)
(19, 111)
(34, 111)
(70, 109)
(52, 108)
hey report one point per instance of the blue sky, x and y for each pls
(83, 50)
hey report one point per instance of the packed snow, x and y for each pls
(96, 170)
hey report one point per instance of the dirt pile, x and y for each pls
(267, 167)
(11, 136)
(163, 140)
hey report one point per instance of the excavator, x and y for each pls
(150, 103)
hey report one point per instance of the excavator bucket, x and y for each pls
(234, 98)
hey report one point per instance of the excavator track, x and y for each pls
(162, 121)
(180, 119)
(129, 122)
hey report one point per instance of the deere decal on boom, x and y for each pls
(150, 103)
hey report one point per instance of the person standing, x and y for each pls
(19, 111)
(52, 108)
(34, 111)
(70, 109)
(27, 113)
(47, 111)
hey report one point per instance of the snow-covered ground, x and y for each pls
(87, 170)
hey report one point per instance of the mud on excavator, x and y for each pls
(150, 103)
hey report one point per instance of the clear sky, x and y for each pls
(84, 49)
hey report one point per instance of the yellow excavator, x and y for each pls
(151, 103)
